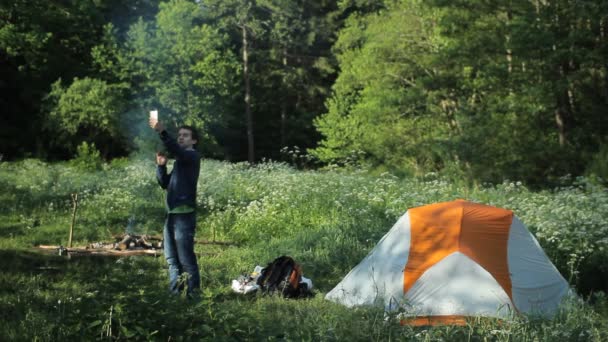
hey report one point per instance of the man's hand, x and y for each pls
(157, 125)
(161, 159)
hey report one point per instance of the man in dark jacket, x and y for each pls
(180, 224)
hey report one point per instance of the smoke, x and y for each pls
(141, 139)
(180, 82)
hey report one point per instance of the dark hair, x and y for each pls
(192, 130)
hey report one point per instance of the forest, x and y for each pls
(513, 90)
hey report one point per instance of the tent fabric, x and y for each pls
(537, 284)
(455, 259)
(458, 286)
(378, 279)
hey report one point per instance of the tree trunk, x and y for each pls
(605, 66)
(284, 102)
(250, 154)
(560, 120)
(562, 110)
(509, 51)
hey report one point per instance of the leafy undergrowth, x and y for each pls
(328, 221)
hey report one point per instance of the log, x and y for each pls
(221, 243)
(120, 253)
(101, 245)
(101, 251)
(75, 251)
(143, 243)
(160, 238)
(125, 245)
(145, 236)
(48, 247)
(201, 242)
(75, 200)
(125, 242)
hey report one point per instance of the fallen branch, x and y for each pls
(106, 252)
(125, 243)
(75, 201)
(99, 251)
(160, 238)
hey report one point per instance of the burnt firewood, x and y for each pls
(141, 242)
(125, 242)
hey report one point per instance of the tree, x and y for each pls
(532, 113)
(297, 66)
(382, 108)
(177, 64)
(289, 64)
(41, 41)
(88, 109)
(498, 90)
(242, 18)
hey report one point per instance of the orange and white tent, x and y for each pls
(447, 261)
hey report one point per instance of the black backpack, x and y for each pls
(283, 276)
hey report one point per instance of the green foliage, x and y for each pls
(598, 166)
(108, 57)
(38, 199)
(289, 66)
(87, 157)
(328, 221)
(175, 63)
(502, 91)
(43, 41)
(90, 108)
(518, 74)
(381, 108)
(492, 91)
(195, 72)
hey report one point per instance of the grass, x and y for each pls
(328, 221)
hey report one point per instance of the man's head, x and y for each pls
(187, 137)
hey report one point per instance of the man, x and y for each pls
(180, 224)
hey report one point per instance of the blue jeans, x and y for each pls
(179, 251)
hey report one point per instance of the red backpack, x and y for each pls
(283, 276)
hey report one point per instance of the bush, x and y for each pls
(598, 167)
(87, 158)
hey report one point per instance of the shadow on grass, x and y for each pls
(53, 297)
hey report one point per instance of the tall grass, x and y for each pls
(327, 220)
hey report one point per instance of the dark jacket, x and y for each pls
(181, 182)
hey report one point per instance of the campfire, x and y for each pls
(123, 245)
(126, 244)
(130, 242)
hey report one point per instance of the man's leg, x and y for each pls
(171, 254)
(185, 225)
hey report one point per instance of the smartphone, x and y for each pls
(154, 114)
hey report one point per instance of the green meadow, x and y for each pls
(328, 220)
